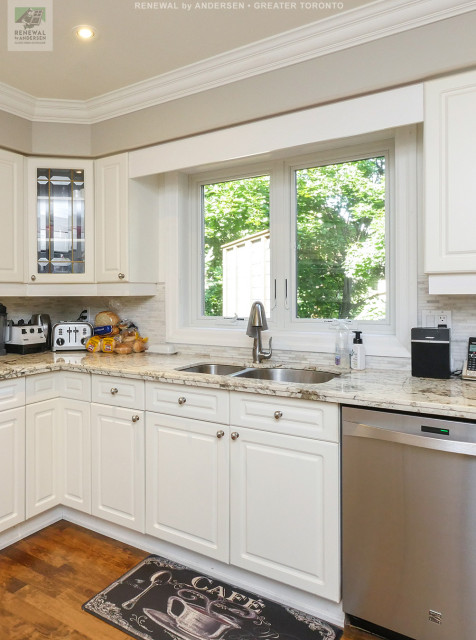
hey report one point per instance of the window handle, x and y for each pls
(286, 303)
(273, 306)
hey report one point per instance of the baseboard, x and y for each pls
(27, 528)
(271, 589)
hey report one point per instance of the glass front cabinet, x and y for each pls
(60, 221)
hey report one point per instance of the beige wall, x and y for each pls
(50, 138)
(15, 133)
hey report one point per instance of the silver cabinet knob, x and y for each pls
(220, 433)
(182, 400)
(121, 276)
(235, 435)
(114, 391)
(33, 277)
(278, 415)
(135, 418)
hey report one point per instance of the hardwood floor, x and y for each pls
(45, 578)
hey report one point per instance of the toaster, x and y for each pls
(69, 336)
(25, 338)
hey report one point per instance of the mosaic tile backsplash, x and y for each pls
(149, 314)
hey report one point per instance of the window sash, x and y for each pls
(282, 314)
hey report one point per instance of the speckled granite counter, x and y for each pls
(372, 388)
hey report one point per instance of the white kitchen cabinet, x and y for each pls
(12, 467)
(74, 451)
(262, 494)
(450, 188)
(42, 457)
(117, 461)
(284, 513)
(12, 217)
(126, 223)
(60, 215)
(187, 483)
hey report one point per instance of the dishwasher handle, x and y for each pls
(399, 437)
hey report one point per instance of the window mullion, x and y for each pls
(280, 254)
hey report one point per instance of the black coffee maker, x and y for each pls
(3, 328)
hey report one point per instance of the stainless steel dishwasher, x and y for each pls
(409, 524)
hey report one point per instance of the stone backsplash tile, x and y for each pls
(149, 314)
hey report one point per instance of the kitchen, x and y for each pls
(142, 158)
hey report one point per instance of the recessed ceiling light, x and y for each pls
(84, 32)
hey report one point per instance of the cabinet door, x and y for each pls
(12, 467)
(60, 221)
(117, 459)
(450, 164)
(112, 219)
(42, 448)
(75, 454)
(11, 214)
(187, 483)
(285, 509)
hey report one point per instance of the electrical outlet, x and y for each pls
(431, 318)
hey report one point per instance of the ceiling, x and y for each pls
(136, 43)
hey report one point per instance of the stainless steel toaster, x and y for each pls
(69, 336)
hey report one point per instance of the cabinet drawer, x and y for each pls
(118, 392)
(292, 416)
(42, 386)
(190, 402)
(74, 385)
(12, 393)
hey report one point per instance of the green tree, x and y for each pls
(341, 239)
(232, 210)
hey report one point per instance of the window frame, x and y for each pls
(351, 153)
(183, 323)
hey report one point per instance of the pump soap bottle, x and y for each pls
(357, 359)
(342, 351)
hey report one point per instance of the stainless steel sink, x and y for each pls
(287, 375)
(215, 369)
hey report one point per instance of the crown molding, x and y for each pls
(379, 19)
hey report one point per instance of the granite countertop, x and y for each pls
(377, 388)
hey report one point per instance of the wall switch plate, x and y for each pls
(435, 318)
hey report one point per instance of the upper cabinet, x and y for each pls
(126, 223)
(87, 225)
(60, 221)
(450, 185)
(11, 214)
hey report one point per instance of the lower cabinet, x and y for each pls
(188, 483)
(58, 460)
(74, 442)
(285, 509)
(12, 467)
(42, 457)
(117, 459)
(262, 499)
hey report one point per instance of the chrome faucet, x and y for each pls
(256, 324)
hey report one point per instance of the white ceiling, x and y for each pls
(135, 44)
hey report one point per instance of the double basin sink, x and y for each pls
(302, 376)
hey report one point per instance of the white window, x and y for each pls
(315, 237)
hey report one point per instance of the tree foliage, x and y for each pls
(232, 210)
(341, 240)
(340, 233)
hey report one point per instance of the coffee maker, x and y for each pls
(3, 327)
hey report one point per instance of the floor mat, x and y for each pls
(162, 600)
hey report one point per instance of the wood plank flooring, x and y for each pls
(45, 578)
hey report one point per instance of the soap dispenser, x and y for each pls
(357, 359)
